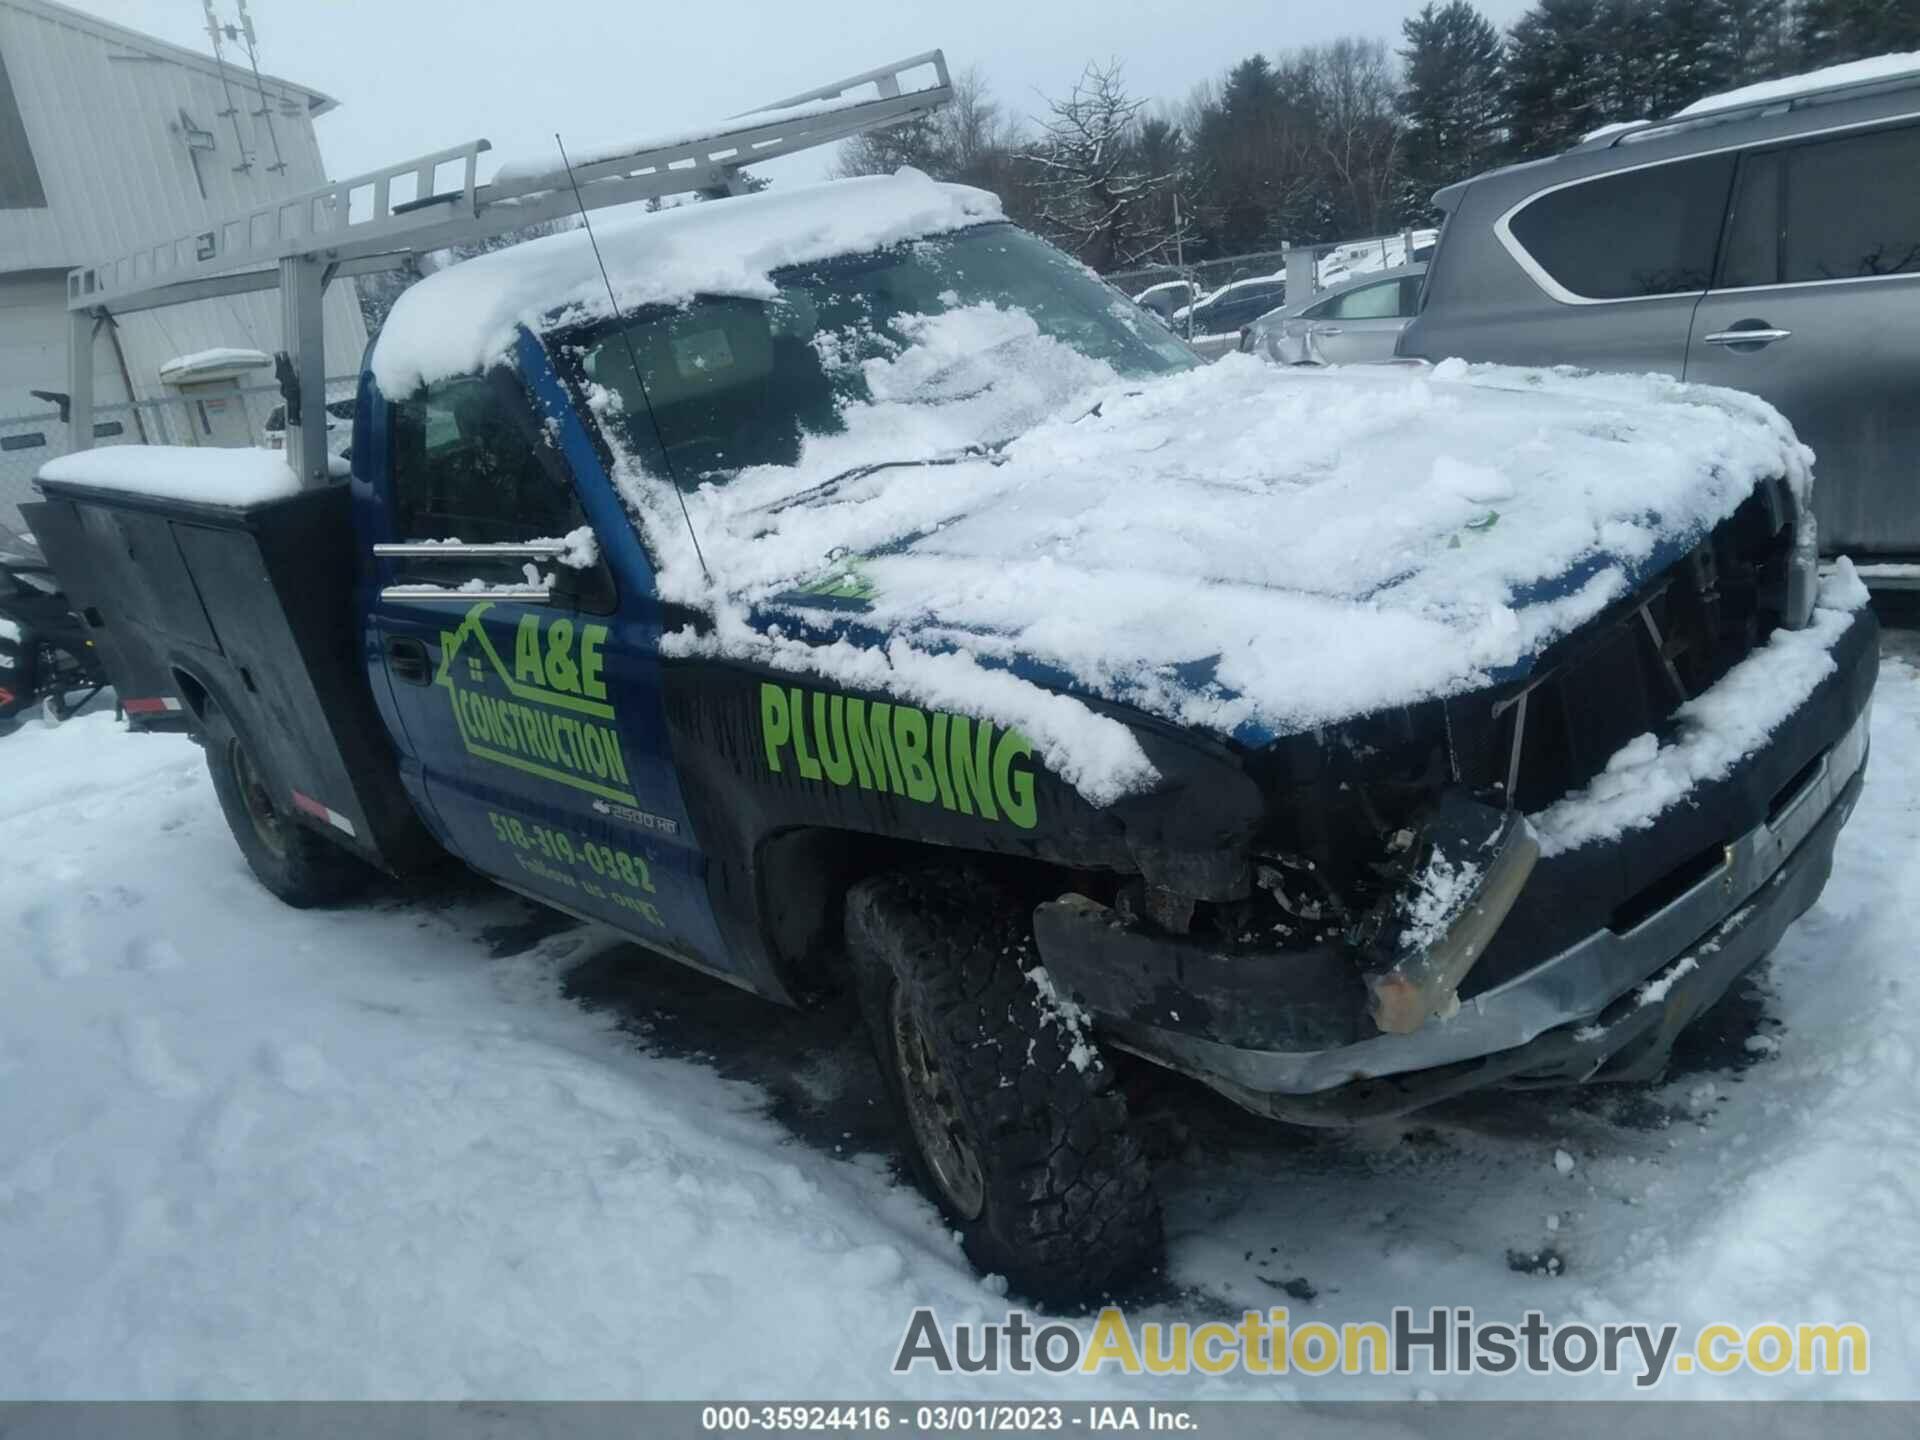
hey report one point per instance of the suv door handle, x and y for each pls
(1325, 330)
(407, 659)
(1756, 338)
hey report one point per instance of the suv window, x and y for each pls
(1829, 210)
(1643, 232)
(470, 464)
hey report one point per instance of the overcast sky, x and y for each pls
(417, 75)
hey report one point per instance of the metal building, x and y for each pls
(109, 138)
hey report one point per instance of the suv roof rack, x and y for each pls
(359, 227)
(1637, 130)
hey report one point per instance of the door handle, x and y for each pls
(1759, 339)
(407, 659)
(1326, 330)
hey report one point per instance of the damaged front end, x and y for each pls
(1375, 883)
(1402, 933)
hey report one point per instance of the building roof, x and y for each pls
(318, 103)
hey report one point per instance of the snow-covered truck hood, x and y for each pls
(1247, 551)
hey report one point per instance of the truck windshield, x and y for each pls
(732, 382)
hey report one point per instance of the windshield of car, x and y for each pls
(734, 382)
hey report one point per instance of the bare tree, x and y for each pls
(1095, 193)
(1355, 88)
(968, 140)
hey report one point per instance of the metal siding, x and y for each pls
(117, 172)
(33, 345)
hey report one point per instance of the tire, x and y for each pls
(1029, 1154)
(290, 860)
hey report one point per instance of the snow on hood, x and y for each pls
(1243, 549)
(464, 317)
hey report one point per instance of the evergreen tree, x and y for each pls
(1751, 40)
(1452, 101)
(1685, 62)
(1557, 90)
(1830, 32)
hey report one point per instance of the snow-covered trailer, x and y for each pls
(251, 607)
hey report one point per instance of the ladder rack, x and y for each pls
(381, 220)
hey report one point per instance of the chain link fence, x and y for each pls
(1334, 263)
(1203, 276)
(28, 441)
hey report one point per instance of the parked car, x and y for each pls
(1168, 296)
(1357, 323)
(1213, 323)
(1767, 239)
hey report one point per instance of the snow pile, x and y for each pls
(1716, 731)
(180, 472)
(1854, 72)
(464, 317)
(1248, 551)
(263, 1153)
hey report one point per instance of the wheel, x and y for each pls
(290, 860)
(1016, 1127)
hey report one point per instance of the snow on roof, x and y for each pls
(1249, 551)
(464, 317)
(1854, 72)
(1618, 127)
(179, 472)
(222, 357)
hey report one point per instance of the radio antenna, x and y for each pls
(633, 359)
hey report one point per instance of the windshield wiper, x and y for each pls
(989, 451)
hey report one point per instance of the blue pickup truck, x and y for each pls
(840, 589)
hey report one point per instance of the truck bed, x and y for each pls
(250, 608)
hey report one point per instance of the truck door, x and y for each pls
(1817, 309)
(534, 725)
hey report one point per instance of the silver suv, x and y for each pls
(1768, 240)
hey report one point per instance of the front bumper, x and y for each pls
(1605, 1003)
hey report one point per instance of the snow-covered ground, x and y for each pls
(438, 1144)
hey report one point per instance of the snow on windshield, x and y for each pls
(1243, 550)
(733, 383)
(464, 318)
